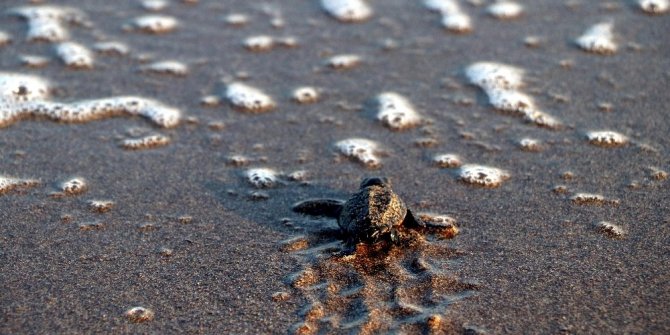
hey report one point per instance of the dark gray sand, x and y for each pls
(527, 260)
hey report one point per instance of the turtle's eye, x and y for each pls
(378, 181)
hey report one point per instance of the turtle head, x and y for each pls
(375, 181)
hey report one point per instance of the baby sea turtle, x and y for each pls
(375, 213)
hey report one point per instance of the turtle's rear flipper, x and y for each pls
(319, 207)
(411, 221)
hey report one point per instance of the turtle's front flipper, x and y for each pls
(412, 222)
(319, 207)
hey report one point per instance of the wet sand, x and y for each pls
(527, 260)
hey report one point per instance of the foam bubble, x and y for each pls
(146, 142)
(74, 186)
(658, 174)
(592, 199)
(139, 314)
(610, 230)
(343, 62)
(154, 5)
(654, 6)
(458, 23)
(34, 61)
(171, 67)
(248, 99)
(287, 42)
(606, 138)
(262, 177)
(5, 38)
(111, 48)
(447, 160)
(453, 19)
(23, 96)
(75, 55)
(598, 39)
(46, 23)
(444, 223)
(532, 41)
(18, 88)
(494, 76)
(347, 10)
(530, 144)
(8, 184)
(101, 206)
(363, 150)
(305, 95)
(483, 175)
(299, 175)
(165, 252)
(259, 43)
(236, 19)
(560, 189)
(502, 83)
(505, 10)
(210, 101)
(155, 24)
(396, 112)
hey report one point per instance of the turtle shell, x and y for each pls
(372, 213)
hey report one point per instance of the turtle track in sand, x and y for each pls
(372, 291)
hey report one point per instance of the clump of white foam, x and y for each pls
(5, 38)
(610, 230)
(505, 10)
(502, 84)
(345, 61)
(8, 183)
(447, 160)
(74, 186)
(262, 177)
(101, 206)
(598, 39)
(236, 19)
(347, 10)
(34, 61)
(23, 96)
(17, 88)
(139, 314)
(112, 48)
(248, 99)
(154, 5)
(155, 24)
(46, 23)
(396, 112)
(654, 6)
(146, 142)
(363, 150)
(305, 95)
(483, 175)
(171, 67)
(453, 19)
(259, 43)
(530, 144)
(588, 198)
(75, 55)
(606, 138)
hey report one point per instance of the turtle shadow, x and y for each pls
(338, 286)
(271, 207)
